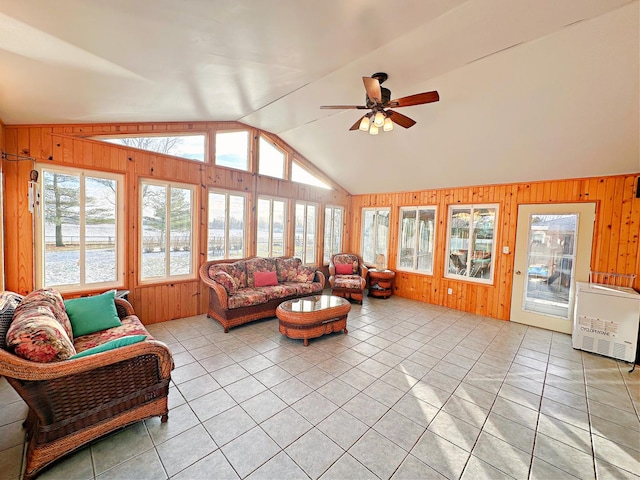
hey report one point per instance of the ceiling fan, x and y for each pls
(378, 99)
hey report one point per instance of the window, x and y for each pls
(300, 175)
(333, 218)
(416, 239)
(227, 221)
(471, 248)
(306, 232)
(271, 161)
(192, 147)
(232, 149)
(272, 213)
(167, 237)
(80, 231)
(375, 235)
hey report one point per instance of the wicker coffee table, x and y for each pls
(312, 317)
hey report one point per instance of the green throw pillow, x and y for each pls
(110, 345)
(92, 314)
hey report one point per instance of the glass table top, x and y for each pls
(313, 304)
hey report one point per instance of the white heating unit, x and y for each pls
(606, 320)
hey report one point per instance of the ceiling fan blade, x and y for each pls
(356, 125)
(400, 119)
(372, 86)
(343, 107)
(417, 99)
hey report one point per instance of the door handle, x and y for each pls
(518, 272)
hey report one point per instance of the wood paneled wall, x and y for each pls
(66, 145)
(616, 246)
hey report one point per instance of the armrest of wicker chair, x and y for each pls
(319, 278)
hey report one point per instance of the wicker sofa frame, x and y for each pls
(218, 307)
(73, 402)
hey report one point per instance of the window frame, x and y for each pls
(119, 237)
(215, 153)
(228, 194)
(101, 138)
(306, 206)
(376, 211)
(468, 270)
(272, 199)
(285, 157)
(332, 208)
(168, 278)
(416, 254)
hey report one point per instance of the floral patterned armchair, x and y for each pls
(347, 276)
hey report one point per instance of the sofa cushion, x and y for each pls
(278, 291)
(110, 345)
(36, 334)
(287, 268)
(258, 264)
(226, 280)
(344, 268)
(92, 314)
(245, 297)
(305, 288)
(237, 270)
(8, 303)
(305, 274)
(131, 325)
(52, 300)
(265, 279)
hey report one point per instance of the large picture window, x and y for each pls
(272, 213)
(167, 230)
(375, 235)
(333, 219)
(416, 239)
(191, 147)
(470, 242)
(306, 232)
(227, 222)
(80, 230)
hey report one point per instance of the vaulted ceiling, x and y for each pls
(529, 90)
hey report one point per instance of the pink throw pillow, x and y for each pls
(344, 268)
(265, 279)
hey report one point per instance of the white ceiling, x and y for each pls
(529, 89)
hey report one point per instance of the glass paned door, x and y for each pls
(550, 261)
(553, 251)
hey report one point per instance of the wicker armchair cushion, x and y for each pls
(36, 334)
(8, 303)
(131, 325)
(92, 314)
(110, 345)
(50, 299)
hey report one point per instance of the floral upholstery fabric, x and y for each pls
(305, 274)
(258, 264)
(226, 280)
(345, 258)
(51, 299)
(287, 269)
(8, 303)
(246, 297)
(305, 288)
(36, 334)
(236, 270)
(277, 291)
(348, 281)
(131, 325)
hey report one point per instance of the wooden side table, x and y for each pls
(381, 283)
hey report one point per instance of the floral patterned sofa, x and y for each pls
(252, 288)
(79, 388)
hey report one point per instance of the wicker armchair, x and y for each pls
(347, 276)
(75, 401)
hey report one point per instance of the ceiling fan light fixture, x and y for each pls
(378, 120)
(373, 130)
(364, 123)
(388, 125)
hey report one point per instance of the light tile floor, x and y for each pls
(413, 391)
